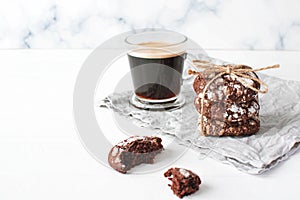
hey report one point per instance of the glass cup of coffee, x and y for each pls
(156, 60)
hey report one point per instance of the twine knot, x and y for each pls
(228, 69)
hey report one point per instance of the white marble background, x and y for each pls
(214, 24)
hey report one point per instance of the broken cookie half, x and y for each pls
(134, 151)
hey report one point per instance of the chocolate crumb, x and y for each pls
(184, 182)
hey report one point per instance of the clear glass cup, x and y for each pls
(156, 60)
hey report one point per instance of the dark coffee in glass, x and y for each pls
(156, 78)
(156, 63)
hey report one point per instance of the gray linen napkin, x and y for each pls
(277, 139)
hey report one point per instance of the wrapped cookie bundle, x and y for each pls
(227, 98)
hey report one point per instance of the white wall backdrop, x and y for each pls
(214, 24)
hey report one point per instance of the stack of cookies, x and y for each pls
(229, 107)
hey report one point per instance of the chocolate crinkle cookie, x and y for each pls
(184, 182)
(229, 107)
(134, 151)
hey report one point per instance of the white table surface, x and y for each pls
(41, 156)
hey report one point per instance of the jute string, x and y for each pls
(239, 72)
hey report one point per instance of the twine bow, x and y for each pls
(239, 72)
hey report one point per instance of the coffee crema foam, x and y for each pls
(153, 50)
